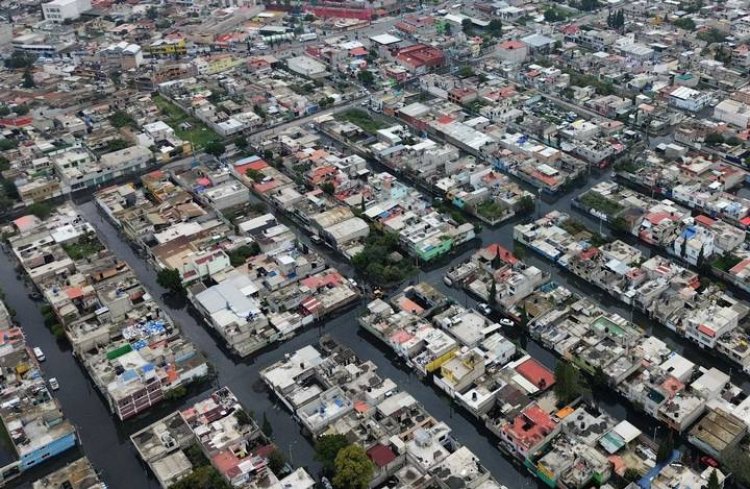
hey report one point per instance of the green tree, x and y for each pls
(366, 77)
(243, 418)
(170, 279)
(254, 175)
(353, 469)
(495, 28)
(120, 118)
(276, 461)
(215, 148)
(551, 15)
(40, 210)
(568, 382)
(666, 447)
(712, 35)
(631, 474)
(240, 142)
(467, 27)
(21, 109)
(239, 256)
(713, 481)
(492, 299)
(328, 187)
(28, 79)
(526, 204)
(685, 23)
(266, 427)
(152, 13)
(465, 71)
(737, 461)
(326, 449)
(713, 139)
(20, 59)
(204, 477)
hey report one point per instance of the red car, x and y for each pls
(706, 460)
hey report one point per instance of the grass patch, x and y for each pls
(363, 119)
(597, 201)
(198, 134)
(374, 261)
(725, 262)
(86, 246)
(491, 210)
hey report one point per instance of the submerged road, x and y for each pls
(105, 440)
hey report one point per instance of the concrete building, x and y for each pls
(62, 10)
(733, 112)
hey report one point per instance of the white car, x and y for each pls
(506, 322)
(485, 309)
(54, 384)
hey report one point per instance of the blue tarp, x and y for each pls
(645, 482)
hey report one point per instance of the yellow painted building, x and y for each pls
(165, 47)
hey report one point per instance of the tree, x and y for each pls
(21, 110)
(713, 139)
(328, 188)
(20, 59)
(631, 474)
(366, 77)
(120, 119)
(152, 13)
(170, 279)
(276, 461)
(551, 15)
(683, 250)
(353, 469)
(40, 210)
(465, 71)
(712, 35)
(28, 79)
(700, 262)
(467, 26)
(495, 28)
(685, 23)
(448, 29)
(240, 142)
(666, 447)
(713, 480)
(239, 256)
(243, 419)
(737, 461)
(326, 449)
(526, 204)
(254, 175)
(492, 299)
(204, 477)
(266, 427)
(215, 148)
(568, 382)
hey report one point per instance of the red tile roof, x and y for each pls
(381, 455)
(536, 373)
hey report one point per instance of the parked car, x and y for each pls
(54, 384)
(39, 354)
(710, 461)
(507, 322)
(485, 309)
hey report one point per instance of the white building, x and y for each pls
(733, 112)
(688, 99)
(62, 10)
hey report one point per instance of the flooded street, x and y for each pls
(105, 440)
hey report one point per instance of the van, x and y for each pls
(39, 354)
